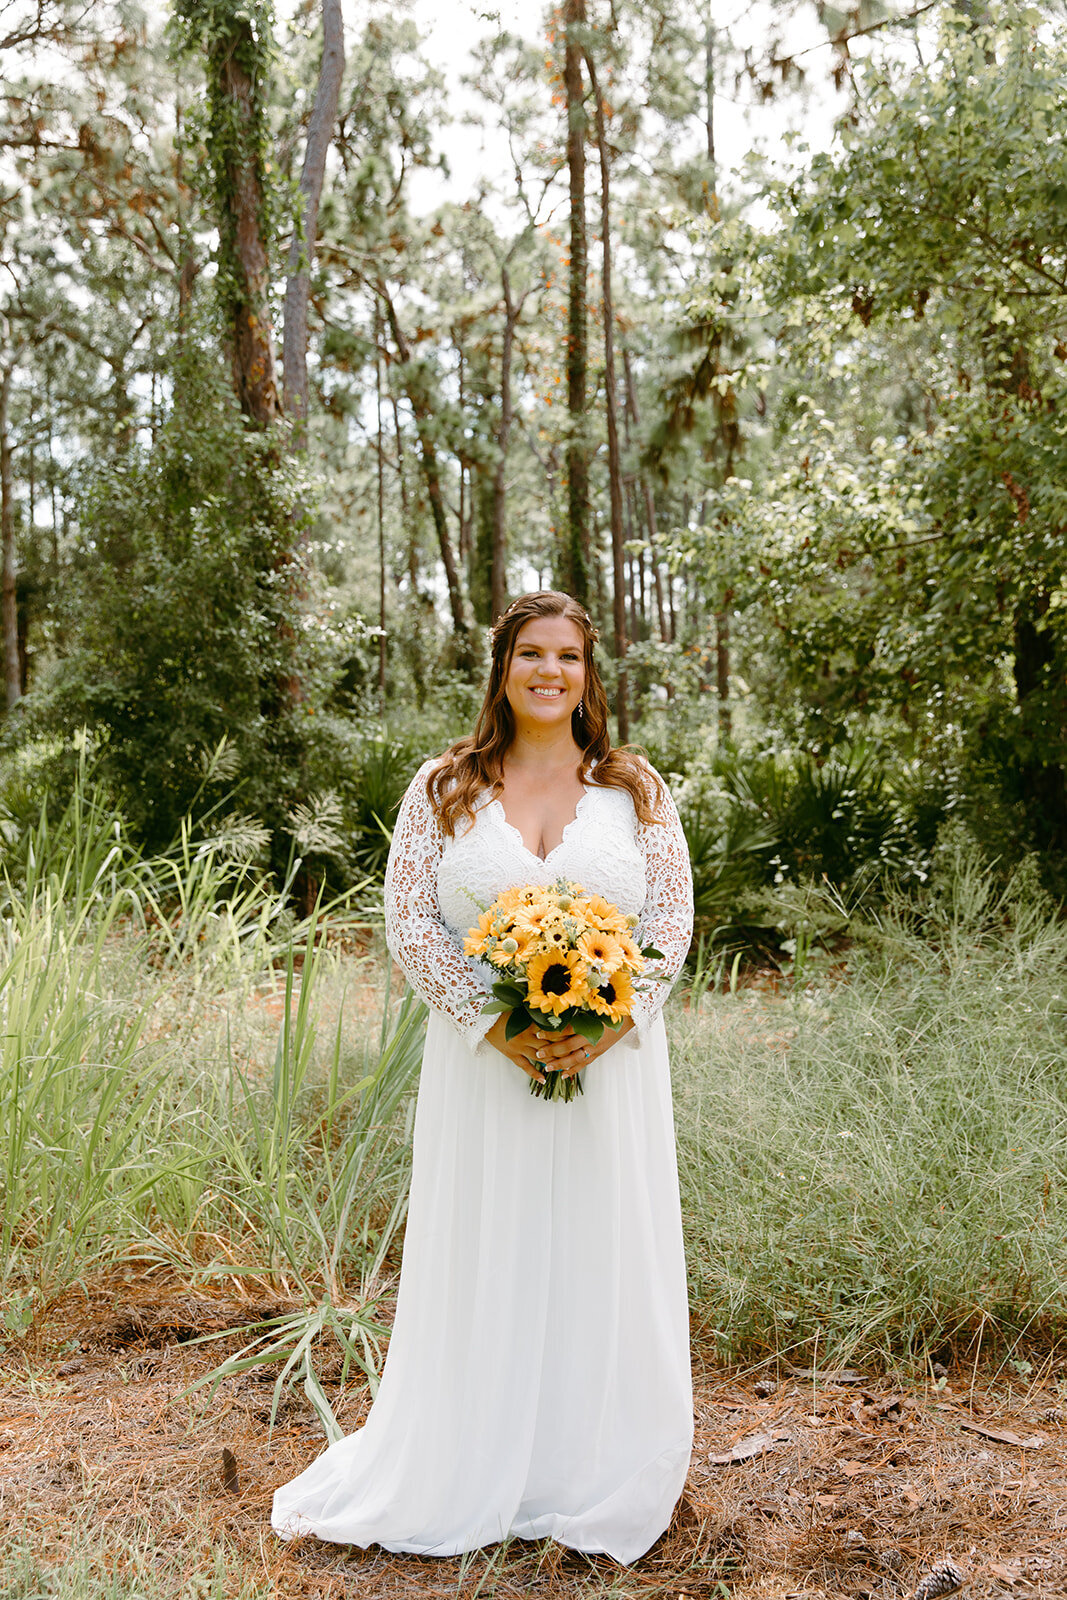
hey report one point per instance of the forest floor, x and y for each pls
(803, 1484)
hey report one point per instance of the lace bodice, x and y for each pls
(435, 888)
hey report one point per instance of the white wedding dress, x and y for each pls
(537, 1381)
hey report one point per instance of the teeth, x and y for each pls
(547, 694)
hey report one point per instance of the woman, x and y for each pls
(537, 1382)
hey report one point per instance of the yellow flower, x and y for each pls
(474, 943)
(601, 950)
(536, 916)
(606, 916)
(556, 981)
(613, 999)
(521, 895)
(554, 932)
(525, 945)
(631, 951)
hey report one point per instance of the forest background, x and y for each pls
(288, 412)
(277, 445)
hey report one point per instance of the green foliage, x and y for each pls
(918, 572)
(134, 1112)
(191, 626)
(758, 823)
(879, 1166)
(385, 769)
(236, 135)
(832, 819)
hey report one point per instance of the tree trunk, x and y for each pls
(381, 504)
(466, 479)
(1039, 678)
(431, 473)
(187, 267)
(574, 564)
(243, 248)
(618, 537)
(709, 114)
(407, 521)
(722, 672)
(9, 620)
(411, 532)
(498, 597)
(597, 566)
(302, 247)
(665, 633)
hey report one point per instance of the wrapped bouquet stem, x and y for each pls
(565, 958)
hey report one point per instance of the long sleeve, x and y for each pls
(415, 931)
(666, 920)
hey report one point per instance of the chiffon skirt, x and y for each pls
(537, 1381)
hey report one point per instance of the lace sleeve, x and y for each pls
(667, 915)
(418, 939)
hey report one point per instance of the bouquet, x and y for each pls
(565, 958)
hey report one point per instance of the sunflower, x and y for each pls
(601, 950)
(556, 981)
(555, 933)
(474, 943)
(613, 999)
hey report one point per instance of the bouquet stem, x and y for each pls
(557, 1087)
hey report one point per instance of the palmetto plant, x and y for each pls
(834, 818)
(385, 770)
(729, 848)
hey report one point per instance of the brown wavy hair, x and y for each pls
(475, 765)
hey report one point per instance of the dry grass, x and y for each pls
(106, 1458)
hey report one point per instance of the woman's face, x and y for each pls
(546, 675)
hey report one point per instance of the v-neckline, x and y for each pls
(583, 797)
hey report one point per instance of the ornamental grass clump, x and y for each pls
(878, 1167)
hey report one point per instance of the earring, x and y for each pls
(581, 708)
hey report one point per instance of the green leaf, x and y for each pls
(497, 1007)
(546, 1019)
(652, 953)
(587, 1026)
(518, 1022)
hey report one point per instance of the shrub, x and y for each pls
(191, 625)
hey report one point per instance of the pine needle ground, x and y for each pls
(113, 1481)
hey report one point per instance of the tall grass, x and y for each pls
(180, 1076)
(879, 1169)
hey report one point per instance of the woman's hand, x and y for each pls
(540, 1050)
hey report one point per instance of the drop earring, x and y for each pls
(581, 708)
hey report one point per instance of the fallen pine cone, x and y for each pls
(945, 1578)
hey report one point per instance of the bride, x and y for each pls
(537, 1383)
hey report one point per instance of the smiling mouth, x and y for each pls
(548, 694)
